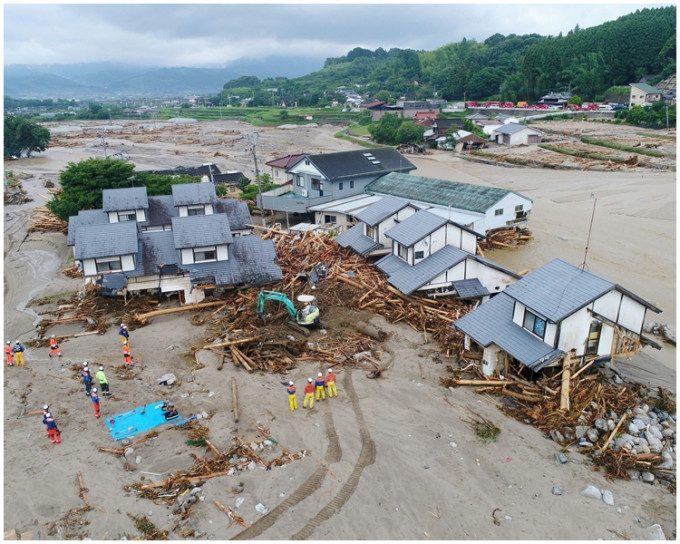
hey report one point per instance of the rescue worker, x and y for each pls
(330, 382)
(103, 382)
(95, 402)
(52, 429)
(320, 384)
(18, 350)
(54, 346)
(124, 334)
(126, 354)
(309, 394)
(292, 397)
(87, 378)
(9, 353)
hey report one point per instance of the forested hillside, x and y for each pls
(509, 68)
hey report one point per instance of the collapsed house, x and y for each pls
(556, 310)
(187, 242)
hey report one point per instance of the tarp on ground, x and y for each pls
(138, 420)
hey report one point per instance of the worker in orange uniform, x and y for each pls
(95, 402)
(126, 353)
(330, 383)
(54, 346)
(320, 384)
(292, 397)
(18, 350)
(309, 394)
(9, 353)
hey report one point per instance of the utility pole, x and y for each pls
(253, 140)
(104, 142)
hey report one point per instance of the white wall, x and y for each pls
(494, 280)
(183, 211)
(507, 204)
(127, 262)
(186, 256)
(222, 253)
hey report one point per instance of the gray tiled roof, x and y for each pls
(84, 217)
(161, 210)
(155, 249)
(471, 288)
(415, 228)
(188, 194)
(237, 212)
(362, 162)
(491, 322)
(106, 240)
(201, 230)
(355, 239)
(464, 196)
(130, 198)
(513, 128)
(409, 278)
(381, 210)
(645, 88)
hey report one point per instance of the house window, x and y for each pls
(499, 211)
(402, 251)
(108, 265)
(349, 219)
(340, 186)
(299, 180)
(420, 255)
(593, 338)
(307, 162)
(330, 219)
(127, 216)
(534, 324)
(370, 232)
(351, 184)
(316, 184)
(519, 207)
(205, 254)
(196, 210)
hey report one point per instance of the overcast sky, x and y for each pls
(215, 34)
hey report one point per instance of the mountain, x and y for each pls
(112, 80)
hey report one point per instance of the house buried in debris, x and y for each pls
(188, 242)
(556, 313)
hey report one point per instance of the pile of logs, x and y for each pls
(506, 238)
(43, 220)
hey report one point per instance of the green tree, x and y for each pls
(410, 132)
(383, 96)
(385, 130)
(23, 136)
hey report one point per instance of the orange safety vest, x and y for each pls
(53, 342)
(126, 349)
(8, 351)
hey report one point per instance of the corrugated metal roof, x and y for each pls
(187, 194)
(347, 164)
(130, 198)
(491, 323)
(381, 210)
(350, 205)
(558, 289)
(106, 240)
(201, 230)
(465, 196)
(355, 239)
(470, 289)
(645, 88)
(410, 278)
(415, 228)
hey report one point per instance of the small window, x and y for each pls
(519, 207)
(370, 232)
(349, 219)
(340, 186)
(205, 254)
(420, 254)
(316, 184)
(534, 324)
(300, 180)
(499, 211)
(307, 162)
(127, 216)
(351, 184)
(196, 210)
(402, 251)
(108, 265)
(593, 338)
(330, 219)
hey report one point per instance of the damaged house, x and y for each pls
(556, 310)
(188, 242)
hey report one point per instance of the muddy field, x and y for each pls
(390, 458)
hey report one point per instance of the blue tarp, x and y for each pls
(139, 420)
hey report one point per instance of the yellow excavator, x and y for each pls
(308, 316)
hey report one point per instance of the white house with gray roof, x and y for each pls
(430, 253)
(478, 207)
(516, 134)
(188, 241)
(552, 311)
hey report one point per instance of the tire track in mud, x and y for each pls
(333, 455)
(366, 458)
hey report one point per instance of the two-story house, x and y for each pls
(321, 178)
(556, 309)
(478, 207)
(641, 94)
(189, 241)
(279, 166)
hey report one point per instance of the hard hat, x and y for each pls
(16, 342)
(85, 363)
(309, 380)
(53, 336)
(101, 368)
(48, 414)
(319, 374)
(94, 389)
(46, 407)
(290, 383)
(8, 342)
(122, 325)
(329, 370)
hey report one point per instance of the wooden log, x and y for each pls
(221, 363)
(34, 413)
(213, 448)
(109, 450)
(566, 374)
(231, 514)
(233, 395)
(83, 489)
(241, 358)
(143, 317)
(190, 480)
(613, 433)
(346, 280)
(483, 382)
(255, 456)
(232, 342)
(370, 331)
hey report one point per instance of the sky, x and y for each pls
(212, 35)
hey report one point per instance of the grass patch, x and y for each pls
(484, 429)
(627, 148)
(580, 154)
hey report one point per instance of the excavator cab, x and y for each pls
(309, 315)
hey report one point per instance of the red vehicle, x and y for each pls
(574, 107)
(541, 106)
(471, 104)
(508, 105)
(589, 106)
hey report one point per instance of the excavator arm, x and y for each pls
(264, 296)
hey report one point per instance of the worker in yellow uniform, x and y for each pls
(309, 394)
(292, 397)
(18, 350)
(320, 384)
(330, 383)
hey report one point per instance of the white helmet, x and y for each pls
(16, 342)
(46, 407)
(290, 383)
(101, 368)
(48, 414)
(122, 325)
(85, 363)
(8, 342)
(309, 380)
(329, 371)
(319, 374)
(94, 389)
(53, 336)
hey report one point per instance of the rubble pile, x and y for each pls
(43, 220)
(506, 238)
